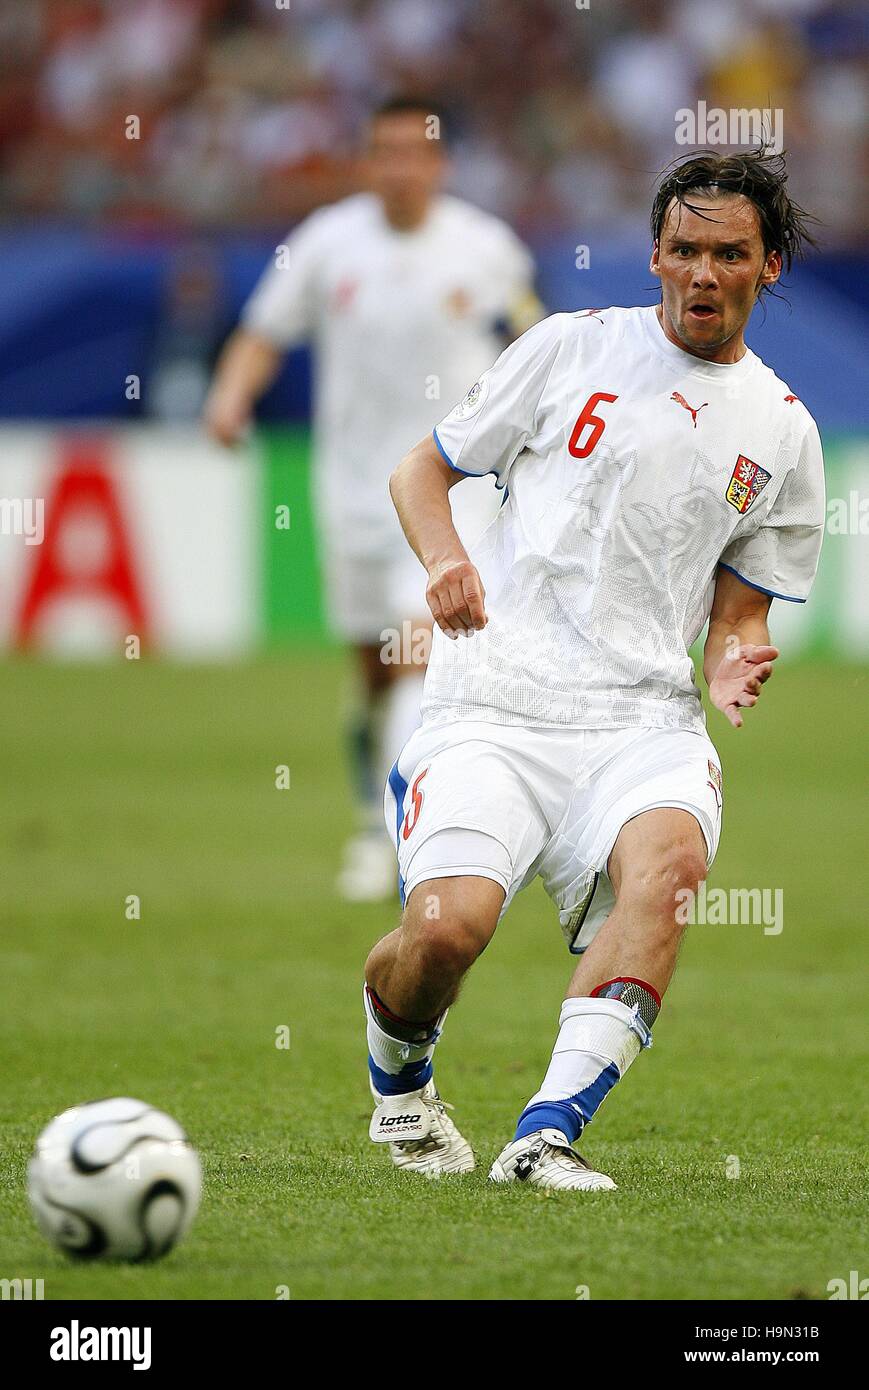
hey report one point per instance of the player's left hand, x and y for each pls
(740, 678)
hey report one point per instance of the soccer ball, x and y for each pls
(115, 1180)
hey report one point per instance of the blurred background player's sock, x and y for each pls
(363, 729)
(399, 1051)
(368, 870)
(598, 1038)
(376, 731)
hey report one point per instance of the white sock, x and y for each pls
(396, 1066)
(597, 1041)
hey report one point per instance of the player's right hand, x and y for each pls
(224, 419)
(456, 597)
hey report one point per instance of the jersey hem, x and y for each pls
(463, 471)
(489, 714)
(788, 598)
(445, 456)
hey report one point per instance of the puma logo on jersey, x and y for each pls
(680, 400)
(790, 399)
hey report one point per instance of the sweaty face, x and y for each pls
(402, 165)
(711, 269)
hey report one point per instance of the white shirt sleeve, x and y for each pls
(781, 556)
(487, 431)
(283, 305)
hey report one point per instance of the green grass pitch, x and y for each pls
(159, 781)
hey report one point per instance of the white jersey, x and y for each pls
(401, 322)
(632, 470)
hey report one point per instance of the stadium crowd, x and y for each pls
(248, 110)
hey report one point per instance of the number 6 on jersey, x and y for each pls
(586, 417)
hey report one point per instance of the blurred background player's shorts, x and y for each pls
(368, 594)
(372, 591)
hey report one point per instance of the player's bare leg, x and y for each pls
(412, 976)
(613, 998)
(656, 855)
(388, 714)
(448, 922)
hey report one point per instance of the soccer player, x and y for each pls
(406, 295)
(656, 474)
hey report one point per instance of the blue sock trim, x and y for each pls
(411, 1077)
(573, 1113)
(549, 1114)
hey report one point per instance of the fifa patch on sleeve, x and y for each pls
(747, 481)
(473, 401)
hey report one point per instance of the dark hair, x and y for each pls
(760, 175)
(413, 105)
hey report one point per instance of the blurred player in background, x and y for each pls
(406, 295)
(660, 475)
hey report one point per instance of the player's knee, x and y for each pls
(665, 885)
(687, 869)
(448, 948)
(448, 929)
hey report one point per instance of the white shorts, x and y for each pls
(366, 595)
(510, 802)
(370, 591)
